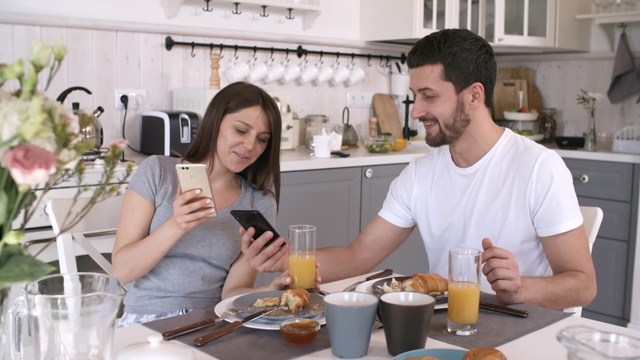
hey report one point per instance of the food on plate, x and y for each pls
(295, 299)
(267, 301)
(299, 331)
(291, 300)
(484, 353)
(525, 132)
(431, 284)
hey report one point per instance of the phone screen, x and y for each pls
(255, 219)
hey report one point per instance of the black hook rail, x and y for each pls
(169, 43)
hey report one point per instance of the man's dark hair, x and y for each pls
(466, 57)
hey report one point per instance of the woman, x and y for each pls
(176, 257)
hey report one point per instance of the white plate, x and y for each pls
(366, 287)
(516, 116)
(536, 137)
(261, 324)
(444, 354)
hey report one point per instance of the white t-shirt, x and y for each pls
(519, 191)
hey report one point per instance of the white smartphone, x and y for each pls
(195, 176)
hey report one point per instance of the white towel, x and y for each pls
(624, 80)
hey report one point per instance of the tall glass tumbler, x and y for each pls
(302, 256)
(464, 291)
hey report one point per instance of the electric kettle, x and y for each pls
(90, 126)
(349, 135)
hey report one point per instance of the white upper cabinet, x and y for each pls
(403, 20)
(521, 22)
(509, 25)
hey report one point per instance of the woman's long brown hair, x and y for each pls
(264, 173)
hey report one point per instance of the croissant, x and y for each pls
(295, 299)
(426, 284)
(483, 353)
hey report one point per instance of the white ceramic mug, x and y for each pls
(400, 84)
(325, 73)
(356, 75)
(322, 146)
(309, 73)
(275, 72)
(238, 71)
(340, 74)
(258, 71)
(292, 72)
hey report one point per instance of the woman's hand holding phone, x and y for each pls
(189, 209)
(272, 258)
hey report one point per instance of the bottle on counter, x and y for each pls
(373, 127)
(548, 124)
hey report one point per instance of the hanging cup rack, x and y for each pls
(385, 60)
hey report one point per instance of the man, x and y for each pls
(482, 186)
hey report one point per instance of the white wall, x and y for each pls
(110, 49)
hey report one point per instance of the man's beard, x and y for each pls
(449, 131)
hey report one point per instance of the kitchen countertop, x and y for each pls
(301, 159)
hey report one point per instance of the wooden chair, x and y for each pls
(94, 235)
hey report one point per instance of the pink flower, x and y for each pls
(29, 164)
(118, 144)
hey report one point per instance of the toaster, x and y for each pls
(167, 133)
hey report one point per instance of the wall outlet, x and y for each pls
(359, 100)
(136, 98)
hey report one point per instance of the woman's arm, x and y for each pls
(135, 251)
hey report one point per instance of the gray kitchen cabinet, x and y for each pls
(328, 199)
(410, 257)
(612, 186)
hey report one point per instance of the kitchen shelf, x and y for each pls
(310, 9)
(612, 18)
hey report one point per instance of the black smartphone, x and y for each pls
(255, 219)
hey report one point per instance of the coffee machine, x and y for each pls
(290, 125)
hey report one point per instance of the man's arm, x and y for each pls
(573, 282)
(377, 241)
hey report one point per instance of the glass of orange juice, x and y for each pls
(302, 256)
(464, 291)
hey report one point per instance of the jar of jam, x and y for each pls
(548, 124)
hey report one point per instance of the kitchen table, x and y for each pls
(538, 344)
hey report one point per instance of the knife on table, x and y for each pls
(199, 341)
(503, 309)
(172, 334)
(382, 274)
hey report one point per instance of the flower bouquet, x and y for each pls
(588, 101)
(40, 147)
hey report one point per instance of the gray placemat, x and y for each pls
(244, 343)
(495, 329)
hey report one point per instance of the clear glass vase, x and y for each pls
(591, 134)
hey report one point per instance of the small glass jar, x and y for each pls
(314, 125)
(548, 124)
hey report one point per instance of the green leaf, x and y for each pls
(18, 266)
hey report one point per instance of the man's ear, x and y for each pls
(476, 91)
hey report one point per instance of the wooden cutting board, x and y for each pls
(387, 114)
(533, 93)
(505, 96)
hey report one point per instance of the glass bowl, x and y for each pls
(378, 144)
(299, 331)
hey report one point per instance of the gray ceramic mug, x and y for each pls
(406, 317)
(350, 318)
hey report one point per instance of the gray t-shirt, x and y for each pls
(192, 273)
